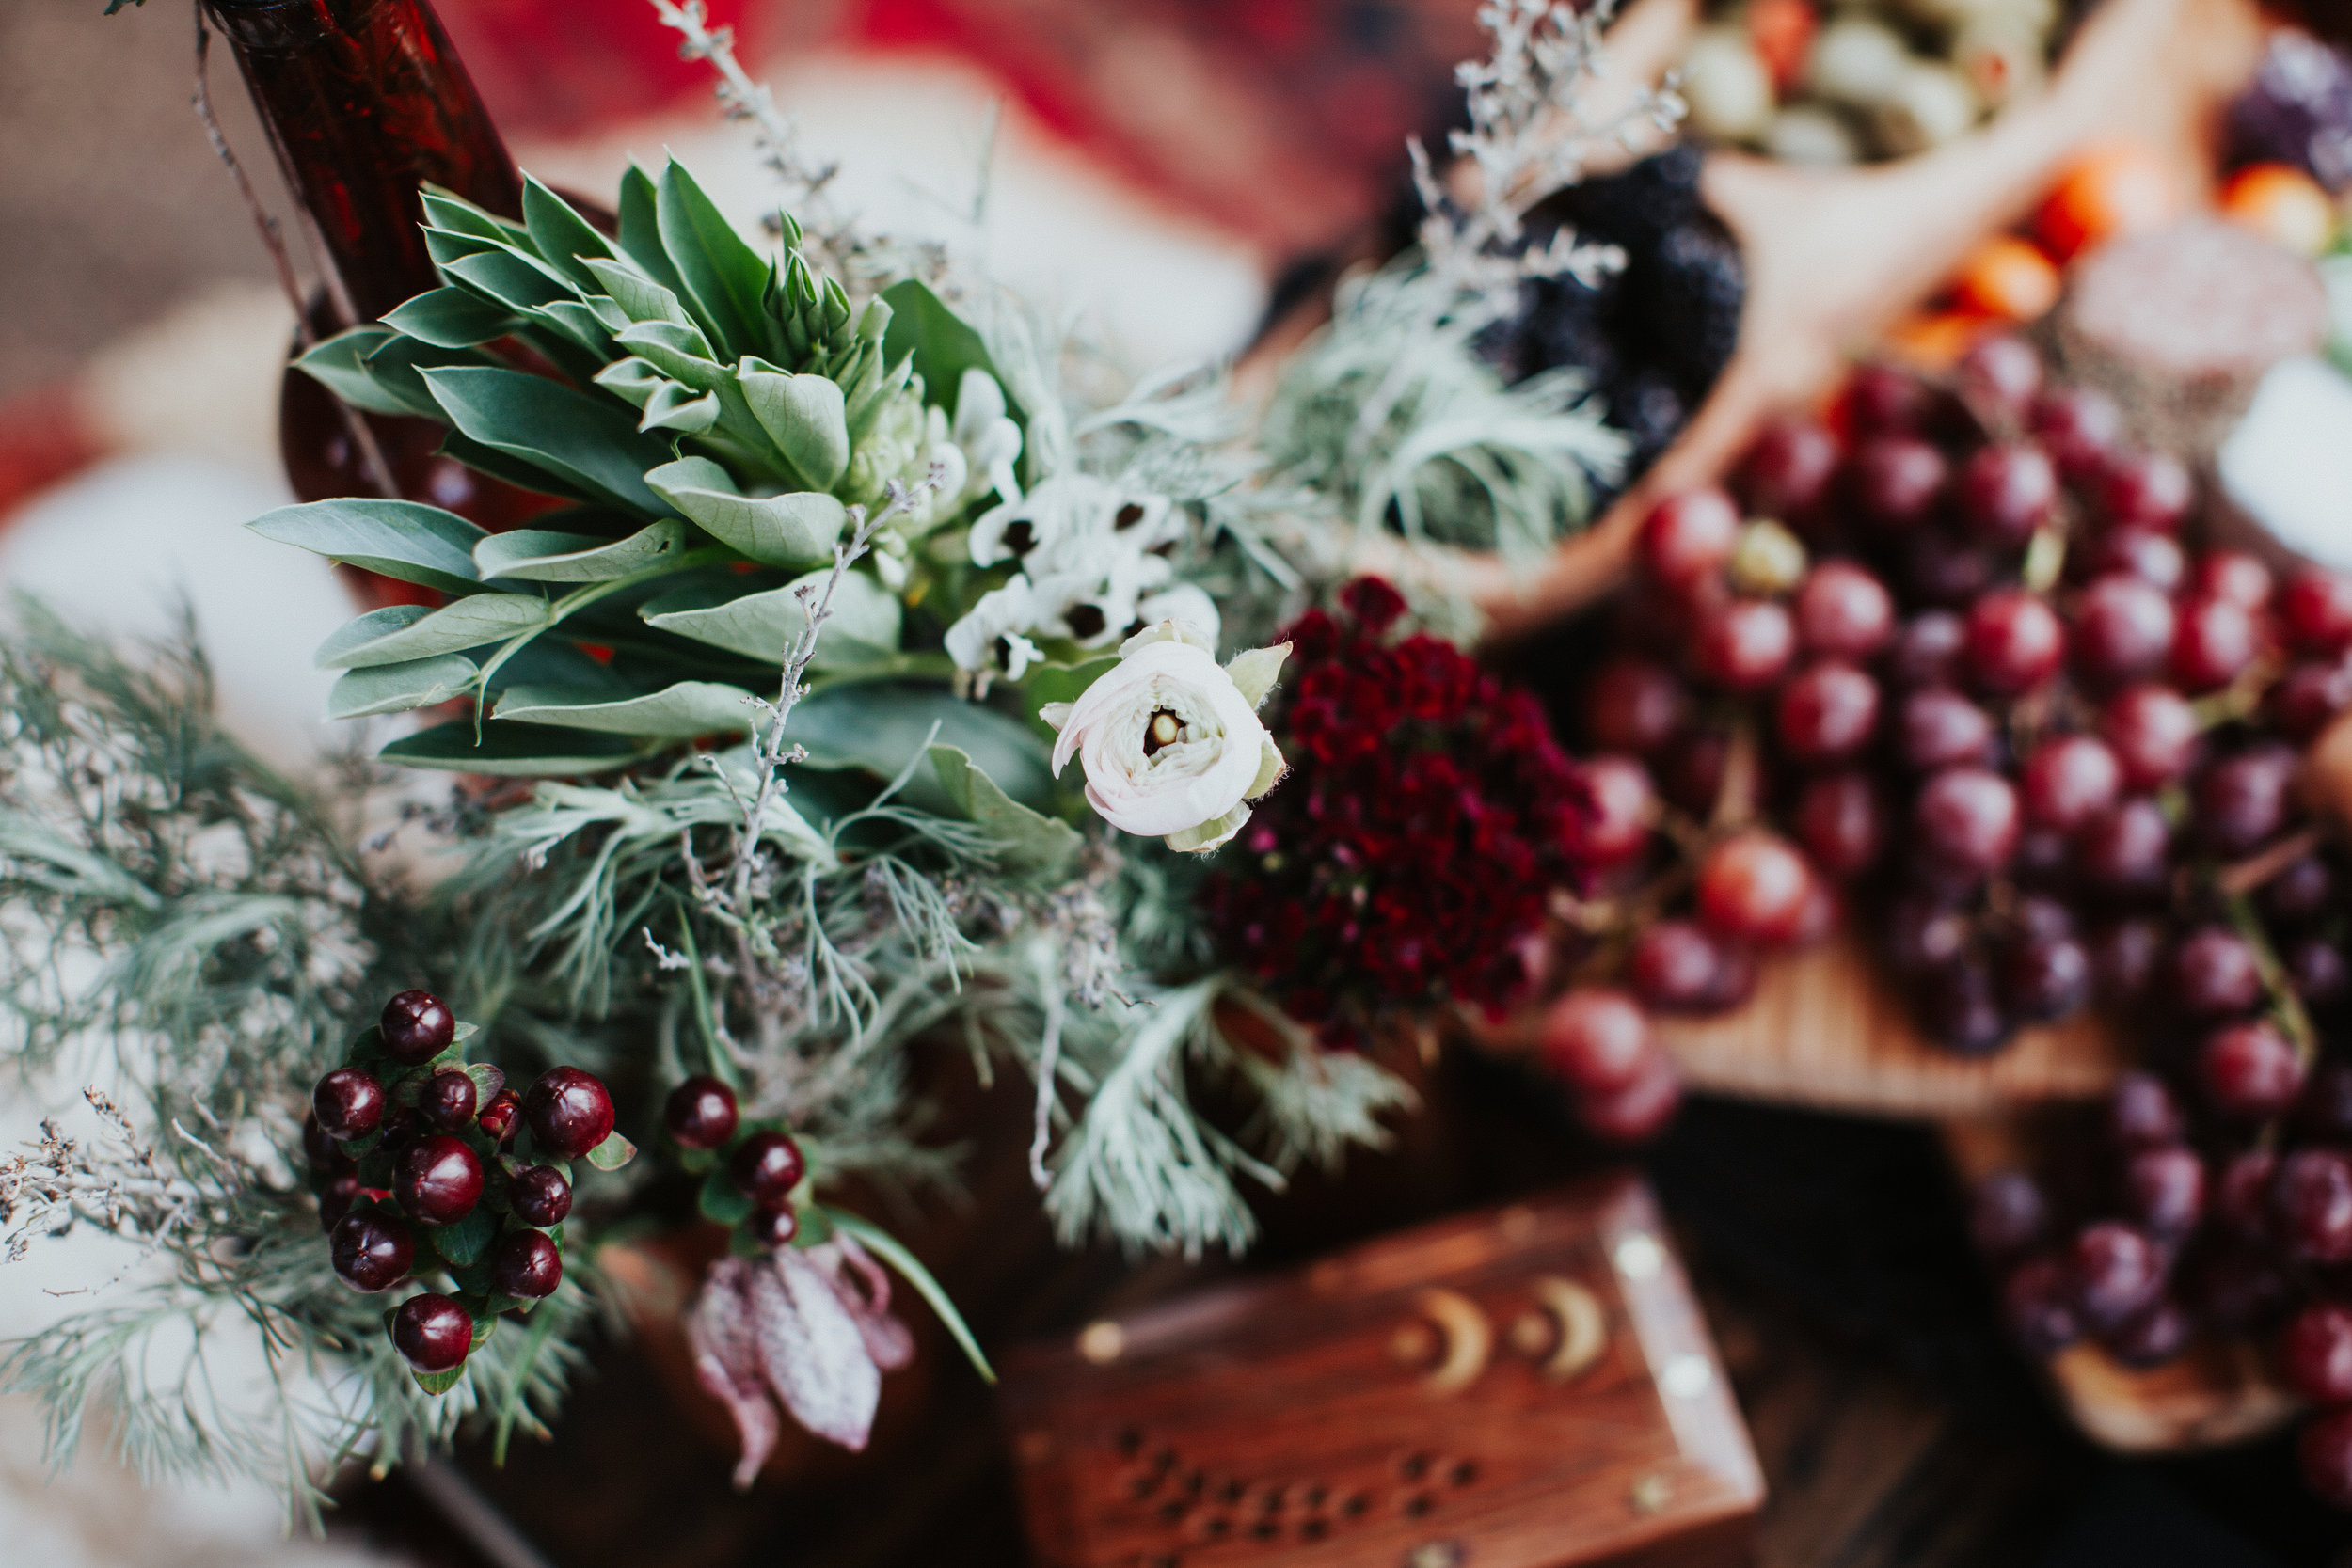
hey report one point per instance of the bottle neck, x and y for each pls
(366, 102)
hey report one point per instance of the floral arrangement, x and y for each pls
(864, 690)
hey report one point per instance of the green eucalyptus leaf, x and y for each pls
(466, 1242)
(398, 688)
(536, 556)
(452, 318)
(638, 296)
(680, 352)
(794, 530)
(944, 344)
(472, 621)
(804, 414)
(577, 437)
(881, 727)
(612, 1154)
(340, 365)
(762, 624)
(438, 1382)
(722, 1201)
(513, 751)
(406, 540)
(676, 712)
(1027, 844)
(724, 278)
(565, 238)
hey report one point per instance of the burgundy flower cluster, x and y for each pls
(1407, 858)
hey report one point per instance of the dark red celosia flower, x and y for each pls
(1407, 857)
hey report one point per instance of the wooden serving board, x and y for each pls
(1828, 1028)
(1528, 1387)
(2216, 1394)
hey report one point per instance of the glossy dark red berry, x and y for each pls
(1753, 887)
(2308, 697)
(1895, 481)
(2079, 428)
(2015, 642)
(2316, 1352)
(2154, 733)
(2122, 631)
(2312, 1200)
(501, 1117)
(1827, 714)
(1938, 728)
(2000, 377)
(774, 1228)
(570, 1112)
(1619, 804)
(1843, 612)
(1841, 823)
(767, 1166)
(2155, 559)
(1640, 1110)
(2249, 1070)
(1595, 1039)
(2125, 956)
(1745, 644)
(1634, 705)
(2143, 1113)
(349, 1103)
(2006, 1213)
(538, 1194)
(2316, 611)
(1788, 471)
(2005, 493)
(1672, 966)
(2126, 850)
(1689, 537)
(1926, 650)
(525, 1264)
(2069, 780)
(337, 1196)
(2231, 575)
(2164, 1191)
(700, 1113)
(2118, 1271)
(2214, 974)
(2243, 800)
(371, 1251)
(447, 1101)
(433, 1332)
(2043, 978)
(2212, 644)
(438, 1181)
(1880, 400)
(417, 1026)
(2146, 489)
(1966, 819)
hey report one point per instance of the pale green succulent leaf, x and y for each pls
(795, 529)
(641, 230)
(676, 712)
(632, 378)
(536, 556)
(675, 408)
(1025, 843)
(340, 365)
(879, 727)
(864, 628)
(583, 439)
(513, 751)
(680, 352)
(520, 284)
(804, 414)
(564, 237)
(398, 688)
(451, 317)
(638, 296)
(723, 277)
(471, 622)
(406, 540)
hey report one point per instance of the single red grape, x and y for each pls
(2155, 559)
(2005, 493)
(1966, 819)
(2308, 697)
(1672, 966)
(2214, 972)
(1746, 645)
(1827, 713)
(1595, 1039)
(2164, 1191)
(2079, 427)
(1926, 650)
(2313, 1199)
(1843, 612)
(2006, 1213)
(2154, 733)
(1690, 773)
(2244, 1198)
(2001, 376)
(1938, 728)
(1752, 886)
(2250, 1071)
(2231, 575)
(2316, 610)
(1923, 935)
(2123, 960)
(2015, 642)
(1896, 481)
(2045, 978)
(1634, 705)
(2145, 489)
(2214, 642)
(1619, 805)
(2126, 850)
(2143, 1113)
(2152, 1336)
(1940, 567)
(1689, 537)
(2316, 1352)
(2122, 631)
(2116, 1270)
(1841, 823)
(2069, 780)
(1787, 470)
(1880, 400)
(2243, 801)
(1640, 1110)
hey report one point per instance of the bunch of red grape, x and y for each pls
(427, 1165)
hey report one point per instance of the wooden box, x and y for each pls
(1531, 1386)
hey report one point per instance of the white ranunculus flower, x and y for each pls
(1170, 741)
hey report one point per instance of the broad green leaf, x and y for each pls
(469, 1238)
(677, 712)
(406, 540)
(805, 417)
(472, 621)
(795, 529)
(340, 365)
(398, 688)
(447, 247)
(1027, 843)
(864, 627)
(563, 236)
(675, 408)
(944, 344)
(633, 379)
(724, 278)
(398, 364)
(892, 1251)
(720, 1200)
(583, 325)
(584, 439)
(371, 627)
(512, 751)
(439, 1383)
(880, 727)
(612, 1154)
(552, 661)
(446, 210)
(501, 275)
(452, 318)
(459, 446)
(641, 230)
(536, 556)
(680, 352)
(640, 297)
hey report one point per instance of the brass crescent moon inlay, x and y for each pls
(1583, 1326)
(1469, 1340)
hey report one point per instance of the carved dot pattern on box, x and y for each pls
(1527, 1387)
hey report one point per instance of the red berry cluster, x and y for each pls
(752, 1171)
(426, 1163)
(1406, 859)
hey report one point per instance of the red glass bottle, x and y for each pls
(366, 102)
